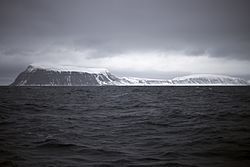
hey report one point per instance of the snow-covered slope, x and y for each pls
(66, 68)
(66, 75)
(208, 79)
(143, 81)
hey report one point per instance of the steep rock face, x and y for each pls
(37, 76)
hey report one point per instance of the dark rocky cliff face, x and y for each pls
(41, 77)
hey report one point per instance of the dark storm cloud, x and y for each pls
(219, 28)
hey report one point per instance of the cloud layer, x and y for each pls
(137, 35)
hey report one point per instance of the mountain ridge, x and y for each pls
(67, 75)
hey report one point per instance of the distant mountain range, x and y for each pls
(65, 75)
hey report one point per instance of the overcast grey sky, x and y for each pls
(147, 38)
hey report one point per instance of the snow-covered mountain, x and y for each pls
(208, 79)
(50, 75)
(66, 75)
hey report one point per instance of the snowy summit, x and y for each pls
(66, 68)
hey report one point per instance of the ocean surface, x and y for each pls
(125, 126)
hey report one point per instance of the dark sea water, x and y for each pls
(125, 126)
